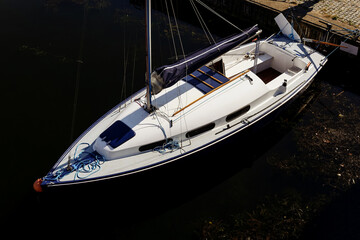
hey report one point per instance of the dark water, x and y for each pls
(49, 45)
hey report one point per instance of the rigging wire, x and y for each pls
(217, 14)
(125, 61)
(134, 66)
(177, 28)
(171, 30)
(78, 71)
(202, 23)
(177, 57)
(181, 44)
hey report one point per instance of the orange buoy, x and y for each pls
(37, 185)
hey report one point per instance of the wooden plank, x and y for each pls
(217, 80)
(243, 73)
(192, 75)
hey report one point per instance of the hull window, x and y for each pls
(237, 113)
(200, 130)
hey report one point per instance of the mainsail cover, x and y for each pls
(168, 75)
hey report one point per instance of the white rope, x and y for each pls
(217, 14)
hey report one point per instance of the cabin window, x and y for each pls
(117, 134)
(200, 130)
(153, 145)
(237, 113)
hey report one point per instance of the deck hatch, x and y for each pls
(117, 134)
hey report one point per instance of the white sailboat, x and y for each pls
(191, 105)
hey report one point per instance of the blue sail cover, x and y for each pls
(168, 75)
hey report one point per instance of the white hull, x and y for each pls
(187, 120)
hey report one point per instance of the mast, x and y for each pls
(148, 55)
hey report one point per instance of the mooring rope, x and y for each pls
(170, 145)
(86, 163)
